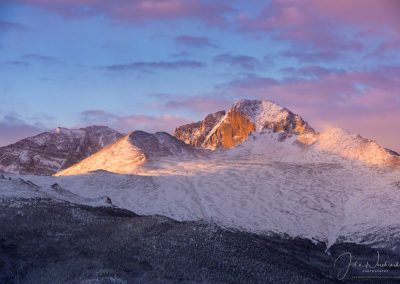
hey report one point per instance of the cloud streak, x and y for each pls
(239, 61)
(137, 11)
(10, 26)
(130, 123)
(156, 65)
(195, 41)
(13, 129)
(40, 58)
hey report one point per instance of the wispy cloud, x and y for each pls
(13, 128)
(130, 123)
(156, 65)
(195, 41)
(242, 61)
(307, 56)
(15, 63)
(137, 11)
(313, 71)
(10, 26)
(195, 104)
(40, 58)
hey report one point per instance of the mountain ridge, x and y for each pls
(51, 152)
(132, 152)
(48, 152)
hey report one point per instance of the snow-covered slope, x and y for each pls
(262, 186)
(47, 153)
(354, 147)
(137, 152)
(281, 177)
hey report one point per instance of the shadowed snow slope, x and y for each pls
(133, 153)
(49, 152)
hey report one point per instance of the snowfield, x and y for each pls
(261, 186)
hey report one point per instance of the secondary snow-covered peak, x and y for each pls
(133, 152)
(48, 152)
(352, 146)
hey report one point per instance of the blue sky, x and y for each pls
(153, 65)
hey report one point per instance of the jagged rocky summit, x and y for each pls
(228, 129)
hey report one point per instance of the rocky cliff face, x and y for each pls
(49, 152)
(228, 129)
(196, 133)
(231, 131)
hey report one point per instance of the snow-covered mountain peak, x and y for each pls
(260, 111)
(234, 126)
(353, 146)
(266, 114)
(49, 152)
(134, 153)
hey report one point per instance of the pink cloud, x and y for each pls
(313, 56)
(135, 11)
(368, 13)
(327, 25)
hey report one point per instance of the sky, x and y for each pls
(156, 64)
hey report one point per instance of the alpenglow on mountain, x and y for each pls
(228, 129)
(64, 149)
(50, 152)
(134, 153)
(256, 167)
(267, 171)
